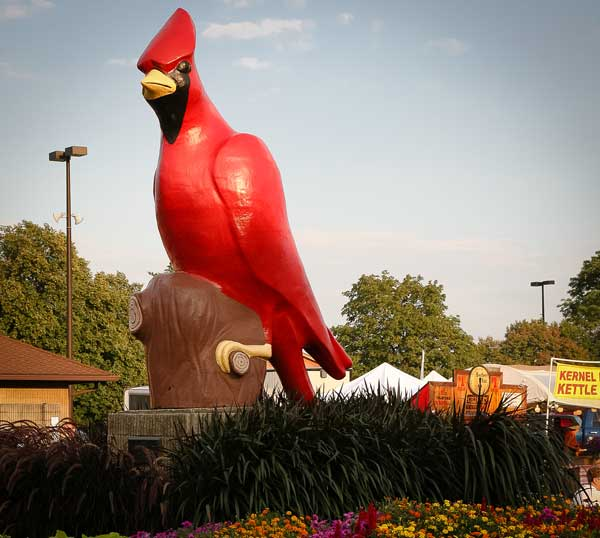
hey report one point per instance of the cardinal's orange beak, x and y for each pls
(157, 84)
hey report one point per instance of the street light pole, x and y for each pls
(542, 284)
(69, 265)
(65, 156)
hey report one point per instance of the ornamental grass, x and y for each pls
(330, 456)
(51, 478)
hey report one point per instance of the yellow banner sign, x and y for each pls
(574, 382)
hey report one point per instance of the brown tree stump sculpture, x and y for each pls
(180, 319)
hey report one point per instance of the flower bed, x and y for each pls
(552, 518)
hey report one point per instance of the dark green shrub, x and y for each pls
(506, 459)
(332, 456)
(52, 479)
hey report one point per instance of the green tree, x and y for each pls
(489, 351)
(534, 342)
(582, 308)
(168, 269)
(392, 321)
(33, 304)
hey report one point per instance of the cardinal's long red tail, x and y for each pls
(330, 355)
(287, 359)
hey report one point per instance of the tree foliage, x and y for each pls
(534, 342)
(582, 307)
(168, 269)
(33, 309)
(392, 321)
(490, 351)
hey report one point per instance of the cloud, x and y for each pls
(237, 3)
(123, 62)
(274, 90)
(256, 30)
(449, 46)
(376, 26)
(497, 252)
(474, 271)
(345, 18)
(304, 44)
(267, 93)
(8, 71)
(296, 4)
(252, 63)
(20, 9)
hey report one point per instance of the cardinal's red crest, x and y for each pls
(175, 40)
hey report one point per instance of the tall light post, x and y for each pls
(542, 284)
(65, 157)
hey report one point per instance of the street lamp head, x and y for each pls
(542, 283)
(57, 156)
(76, 151)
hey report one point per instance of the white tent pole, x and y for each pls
(548, 396)
(422, 364)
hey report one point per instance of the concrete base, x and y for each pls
(156, 428)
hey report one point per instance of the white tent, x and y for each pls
(431, 376)
(513, 375)
(384, 377)
(434, 376)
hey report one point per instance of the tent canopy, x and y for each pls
(383, 378)
(431, 376)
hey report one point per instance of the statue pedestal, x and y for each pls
(157, 428)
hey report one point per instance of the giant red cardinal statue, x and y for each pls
(221, 210)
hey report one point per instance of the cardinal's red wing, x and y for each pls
(249, 184)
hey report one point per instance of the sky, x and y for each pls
(454, 140)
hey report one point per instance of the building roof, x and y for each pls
(23, 362)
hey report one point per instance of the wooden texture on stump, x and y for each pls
(180, 319)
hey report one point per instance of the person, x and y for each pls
(570, 437)
(68, 430)
(589, 495)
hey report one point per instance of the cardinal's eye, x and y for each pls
(184, 67)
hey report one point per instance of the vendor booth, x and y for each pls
(469, 388)
(578, 384)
